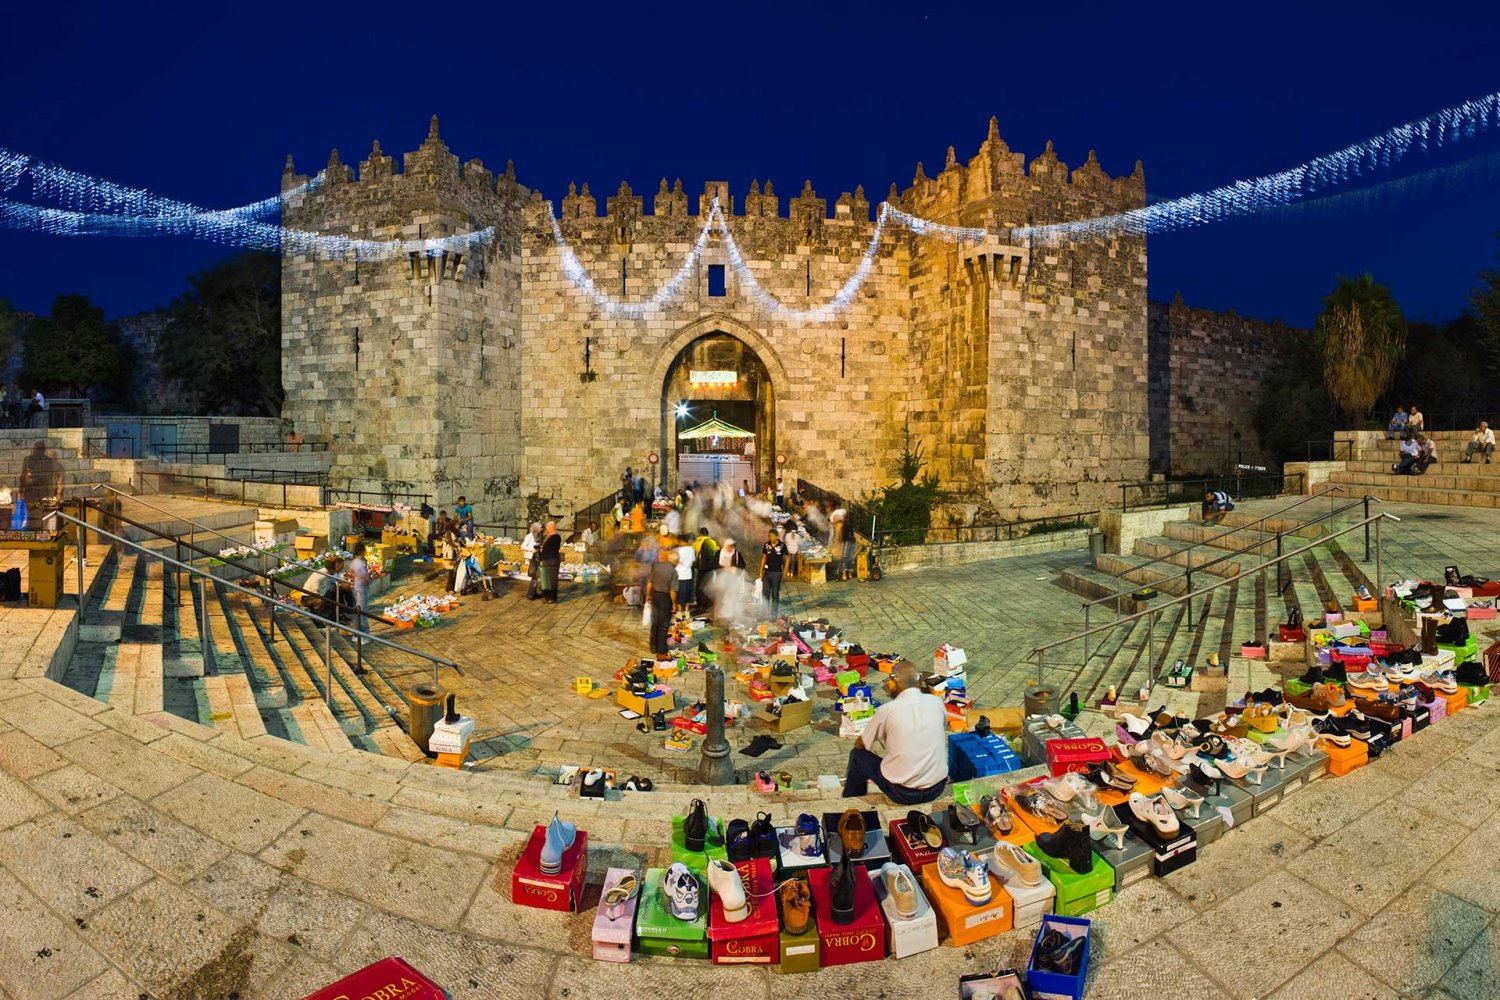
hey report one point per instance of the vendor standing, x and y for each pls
(660, 583)
(549, 559)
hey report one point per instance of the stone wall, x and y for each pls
(1020, 368)
(1205, 378)
(151, 390)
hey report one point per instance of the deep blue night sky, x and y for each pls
(204, 105)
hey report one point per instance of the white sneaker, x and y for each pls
(724, 881)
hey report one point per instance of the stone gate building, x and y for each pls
(1020, 368)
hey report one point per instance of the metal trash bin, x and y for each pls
(424, 709)
(1096, 548)
(1041, 699)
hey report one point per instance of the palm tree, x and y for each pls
(1364, 338)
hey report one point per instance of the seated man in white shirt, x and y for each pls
(913, 728)
(1482, 442)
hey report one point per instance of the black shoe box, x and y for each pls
(1168, 853)
(876, 853)
(1420, 718)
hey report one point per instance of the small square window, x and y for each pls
(716, 281)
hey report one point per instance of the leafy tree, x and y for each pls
(1295, 406)
(69, 348)
(1364, 338)
(1486, 304)
(8, 324)
(224, 338)
(905, 507)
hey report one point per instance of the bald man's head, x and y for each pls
(905, 676)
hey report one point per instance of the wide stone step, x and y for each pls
(265, 678)
(1254, 526)
(1212, 562)
(1129, 571)
(1431, 480)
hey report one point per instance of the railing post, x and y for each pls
(78, 552)
(1278, 564)
(1190, 588)
(1379, 575)
(328, 666)
(1086, 609)
(178, 572)
(1150, 647)
(1367, 531)
(273, 609)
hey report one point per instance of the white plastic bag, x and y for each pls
(646, 615)
(756, 595)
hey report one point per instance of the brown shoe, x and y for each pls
(796, 906)
(852, 832)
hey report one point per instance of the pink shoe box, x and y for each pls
(1253, 652)
(1379, 635)
(1437, 709)
(611, 936)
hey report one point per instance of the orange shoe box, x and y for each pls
(1342, 760)
(960, 920)
(1456, 702)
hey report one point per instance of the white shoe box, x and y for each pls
(1032, 902)
(906, 937)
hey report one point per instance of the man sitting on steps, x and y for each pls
(913, 728)
(1482, 442)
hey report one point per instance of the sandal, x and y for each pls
(616, 896)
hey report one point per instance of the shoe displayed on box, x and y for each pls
(796, 905)
(680, 889)
(763, 836)
(1134, 724)
(724, 881)
(1183, 800)
(1241, 769)
(841, 889)
(1040, 804)
(964, 823)
(963, 871)
(900, 889)
(558, 839)
(1071, 844)
(1155, 812)
(809, 835)
(921, 831)
(695, 826)
(617, 894)
(996, 817)
(1008, 862)
(1108, 775)
(737, 842)
(852, 833)
(1471, 672)
(1101, 827)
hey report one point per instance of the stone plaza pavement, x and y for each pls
(153, 857)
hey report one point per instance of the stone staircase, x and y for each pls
(1230, 550)
(144, 649)
(78, 473)
(1448, 482)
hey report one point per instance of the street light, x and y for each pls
(682, 409)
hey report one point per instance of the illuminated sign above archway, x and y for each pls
(713, 378)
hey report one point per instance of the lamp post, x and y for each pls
(715, 767)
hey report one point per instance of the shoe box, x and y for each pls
(877, 852)
(1475, 693)
(973, 756)
(379, 979)
(754, 940)
(662, 934)
(1383, 736)
(1267, 794)
(1294, 651)
(800, 952)
(1437, 708)
(1468, 651)
(1029, 903)
(1211, 825)
(906, 936)
(1076, 894)
(960, 921)
(1342, 760)
(1065, 755)
(794, 715)
(790, 860)
(697, 860)
(1002, 983)
(647, 706)
(1035, 733)
(1419, 717)
(1168, 854)
(1304, 767)
(1131, 861)
(563, 891)
(1456, 702)
(1046, 985)
(1261, 736)
(915, 858)
(860, 940)
(612, 937)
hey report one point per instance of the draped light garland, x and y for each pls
(84, 205)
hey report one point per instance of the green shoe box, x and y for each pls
(696, 860)
(1260, 737)
(1296, 687)
(1462, 654)
(800, 952)
(662, 934)
(1076, 893)
(1476, 692)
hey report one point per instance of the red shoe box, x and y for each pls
(756, 939)
(1290, 634)
(1064, 755)
(390, 977)
(563, 891)
(860, 940)
(915, 858)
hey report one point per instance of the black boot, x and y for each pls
(1071, 843)
(841, 887)
(763, 836)
(737, 841)
(1314, 675)
(695, 826)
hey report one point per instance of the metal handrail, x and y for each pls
(327, 623)
(1193, 595)
(1242, 481)
(1233, 552)
(198, 524)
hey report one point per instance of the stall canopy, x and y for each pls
(712, 428)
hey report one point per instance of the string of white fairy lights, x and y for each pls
(84, 205)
